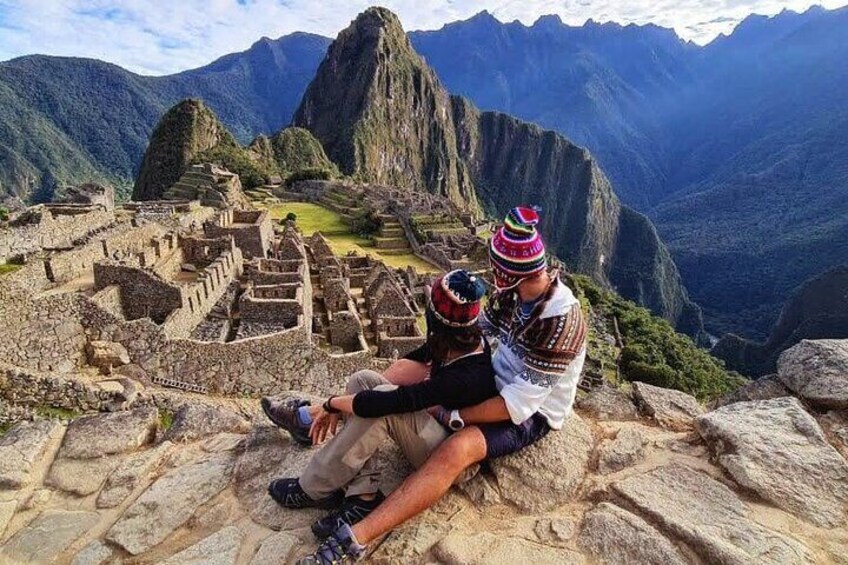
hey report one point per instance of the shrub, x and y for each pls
(653, 351)
(291, 217)
(4, 214)
(311, 173)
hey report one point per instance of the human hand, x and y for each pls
(323, 423)
(440, 414)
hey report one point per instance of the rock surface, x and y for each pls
(628, 448)
(672, 409)
(95, 553)
(127, 475)
(548, 473)
(817, 371)
(276, 548)
(21, 449)
(104, 434)
(775, 448)
(47, 536)
(614, 535)
(194, 421)
(490, 549)
(269, 454)
(608, 403)
(106, 354)
(708, 516)
(221, 548)
(170, 502)
(764, 388)
(81, 476)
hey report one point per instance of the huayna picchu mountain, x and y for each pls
(384, 117)
(382, 114)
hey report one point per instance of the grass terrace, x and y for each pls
(313, 217)
(8, 268)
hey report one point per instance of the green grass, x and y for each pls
(54, 413)
(7, 268)
(313, 217)
(166, 419)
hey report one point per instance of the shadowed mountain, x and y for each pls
(817, 310)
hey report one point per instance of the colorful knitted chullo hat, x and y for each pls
(516, 251)
(455, 300)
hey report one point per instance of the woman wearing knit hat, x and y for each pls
(541, 337)
(460, 375)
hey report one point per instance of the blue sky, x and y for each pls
(166, 36)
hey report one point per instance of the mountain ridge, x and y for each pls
(385, 118)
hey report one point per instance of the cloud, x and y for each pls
(155, 37)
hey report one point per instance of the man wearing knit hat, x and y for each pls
(542, 344)
(338, 476)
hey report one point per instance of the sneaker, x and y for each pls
(284, 415)
(289, 494)
(352, 510)
(341, 548)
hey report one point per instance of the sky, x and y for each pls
(156, 37)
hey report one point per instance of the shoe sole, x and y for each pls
(266, 406)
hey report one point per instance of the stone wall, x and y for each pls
(143, 293)
(109, 299)
(346, 331)
(29, 389)
(280, 305)
(251, 229)
(397, 336)
(51, 226)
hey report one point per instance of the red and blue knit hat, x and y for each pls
(516, 251)
(455, 299)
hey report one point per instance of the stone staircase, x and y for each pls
(344, 200)
(391, 239)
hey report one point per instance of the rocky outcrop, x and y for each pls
(708, 516)
(817, 371)
(291, 150)
(549, 472)
(608, 403)
(775, 448)
(383, 116)
(605, 491)
(21, 450)
(817, 310)
(184, 132)
(615, 535)
(671, 409)
(194, 421)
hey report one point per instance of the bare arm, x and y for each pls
(406, 372)
(487, 412)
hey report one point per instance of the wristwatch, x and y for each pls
(456, 422)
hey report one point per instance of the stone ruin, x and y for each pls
(428, 225)
(209, 184)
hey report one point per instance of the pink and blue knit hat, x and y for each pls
(516, 251)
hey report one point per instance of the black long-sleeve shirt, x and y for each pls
(466, 381)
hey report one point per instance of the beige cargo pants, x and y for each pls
(343, 462)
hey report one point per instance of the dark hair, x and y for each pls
(443, 339)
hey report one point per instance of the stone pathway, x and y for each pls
(115, 488)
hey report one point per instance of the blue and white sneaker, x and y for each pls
(341, 548)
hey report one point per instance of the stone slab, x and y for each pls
(547, 474)
(695, 508)
(775, 448)
(671, 409)
(22, 448)
(170, 502)
(614, 535)
(48, 535)
(106, 434)
(221, 548)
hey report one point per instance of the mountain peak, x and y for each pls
(381, 113)
(548, 21)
